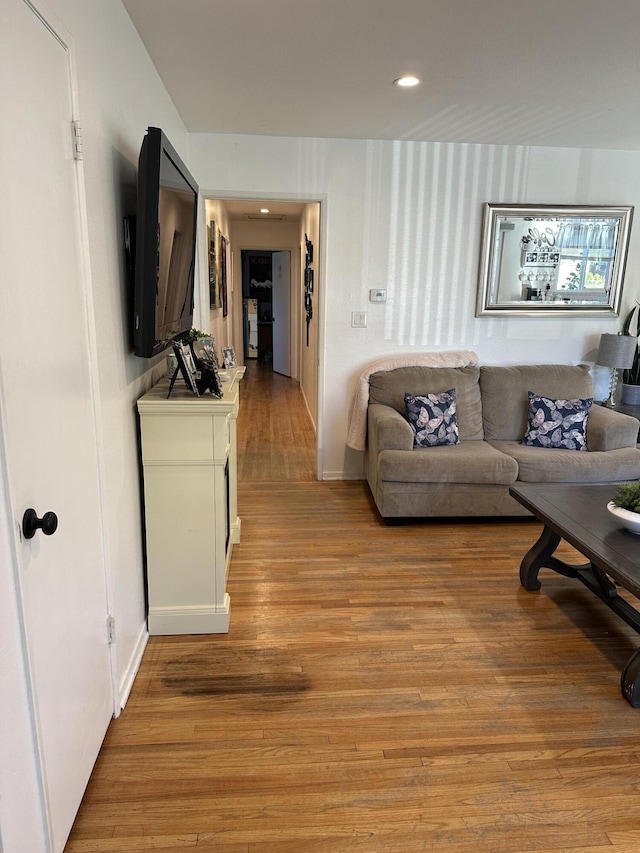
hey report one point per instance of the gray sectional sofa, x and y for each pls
(472, 478)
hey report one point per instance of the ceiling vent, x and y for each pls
(277, 217)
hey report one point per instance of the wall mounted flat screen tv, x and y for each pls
(165, 246)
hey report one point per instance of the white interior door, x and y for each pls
(47, 411)
(281, 302)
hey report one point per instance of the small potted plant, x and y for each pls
(192, 335)
(625, 505)
(628, 496)
(631, 375)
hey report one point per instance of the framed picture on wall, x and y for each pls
(308, 280)
(308, 283)
(214, 265)
(224, 245)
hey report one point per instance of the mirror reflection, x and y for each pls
(552, 259)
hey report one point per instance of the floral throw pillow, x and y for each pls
(433, 418)
(557, 423)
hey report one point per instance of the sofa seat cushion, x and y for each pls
(389, 387)
(505, 394)
(551, 465)
(467, 462)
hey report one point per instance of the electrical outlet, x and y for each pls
(359, 319)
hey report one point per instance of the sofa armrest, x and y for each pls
(610, 430)
(387, 429)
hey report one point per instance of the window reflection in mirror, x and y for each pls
(552, 259)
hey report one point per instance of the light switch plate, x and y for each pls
(359, 319)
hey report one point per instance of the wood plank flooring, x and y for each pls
(276, 440)
(381, 690)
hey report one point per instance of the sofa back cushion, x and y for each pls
(505, 400)
(389, 387)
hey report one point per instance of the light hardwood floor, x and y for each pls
(276, 440)
(381, 690)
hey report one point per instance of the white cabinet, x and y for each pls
(189, 460)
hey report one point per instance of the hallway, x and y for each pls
(276, 440)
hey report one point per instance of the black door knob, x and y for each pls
(31, 523)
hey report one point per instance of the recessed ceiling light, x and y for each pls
(264, 210)
(407, 82)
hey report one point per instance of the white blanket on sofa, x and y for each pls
(357, 431)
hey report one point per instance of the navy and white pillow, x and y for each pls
(433, 418)
(560, 424)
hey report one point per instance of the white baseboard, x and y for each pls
(342, 475)
(189, 619)
(236, 530)
(124, 688)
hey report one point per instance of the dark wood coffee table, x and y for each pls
(579, 515)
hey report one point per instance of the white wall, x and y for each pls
(219, 326)
(407, 217)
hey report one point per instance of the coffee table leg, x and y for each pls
(536, 557)
(630, 681)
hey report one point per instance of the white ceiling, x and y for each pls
(244, 209)
(542, 72)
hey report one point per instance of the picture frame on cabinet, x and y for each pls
(187, 366)
(207, 364)
(209, 380)
(204, 350)
(229, 357)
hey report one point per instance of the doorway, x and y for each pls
(266, 308)
(265, 226)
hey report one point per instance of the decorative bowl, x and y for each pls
(630, 520)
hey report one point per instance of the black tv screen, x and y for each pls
(165, 248)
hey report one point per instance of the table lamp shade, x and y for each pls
(616, 350)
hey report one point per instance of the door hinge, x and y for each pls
(76, 135)
(111, 630)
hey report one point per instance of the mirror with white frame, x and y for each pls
(541, 260)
